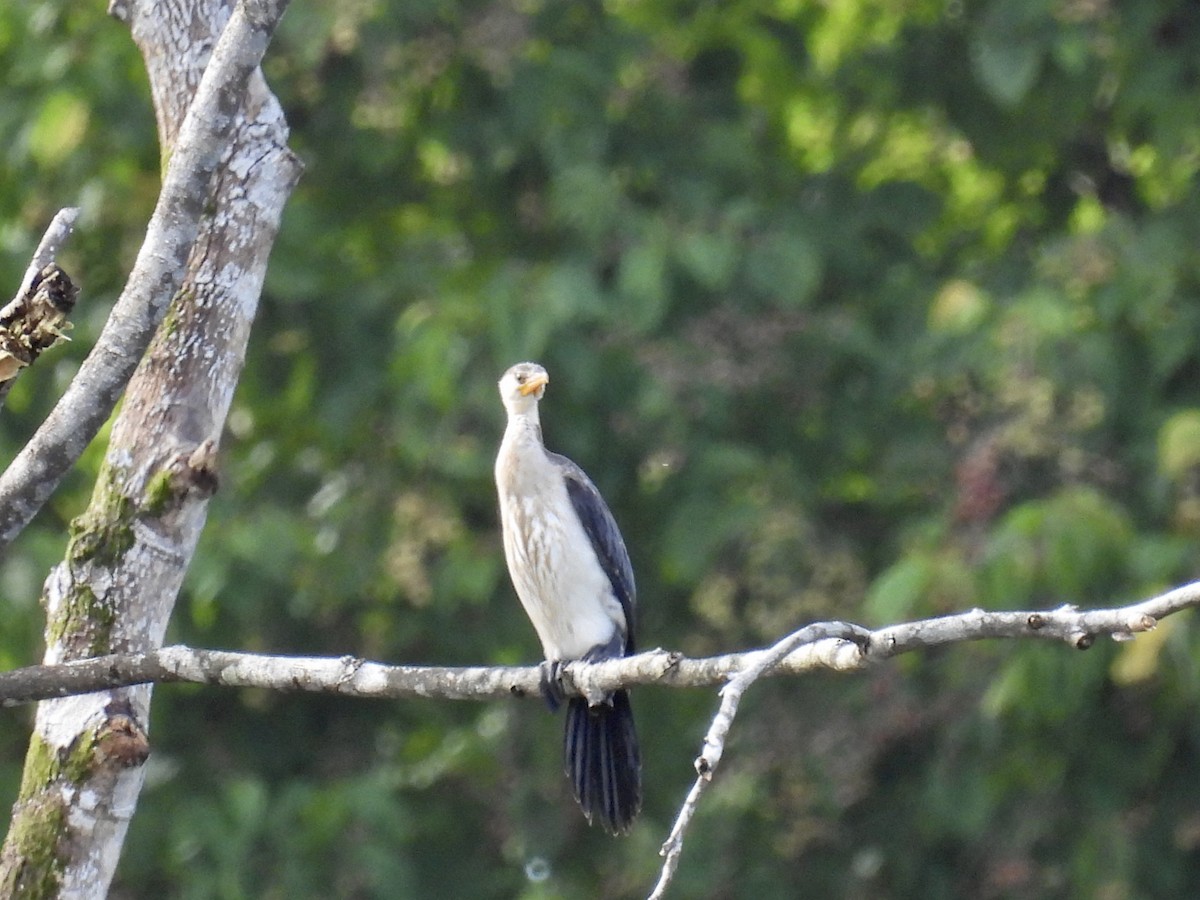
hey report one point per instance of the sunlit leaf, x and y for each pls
(1179, 443)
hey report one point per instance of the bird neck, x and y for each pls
(524, 427)
(522, 460)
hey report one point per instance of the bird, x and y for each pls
(571, 571)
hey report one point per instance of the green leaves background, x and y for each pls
(857, 310)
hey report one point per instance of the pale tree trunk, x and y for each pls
(128, 553)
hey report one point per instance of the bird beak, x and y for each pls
(534, 384)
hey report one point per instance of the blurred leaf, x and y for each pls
(59, 129)
(1008, 49)
(898, 591)
(708, 257)
(784, 267)
(1006, 67)
(1139, 659)
(586, 198)
(958, 307)
(854, 310)
(1179, 443)
(643, 284)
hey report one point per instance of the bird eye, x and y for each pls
(521, 378)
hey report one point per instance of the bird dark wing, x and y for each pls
(602, 531)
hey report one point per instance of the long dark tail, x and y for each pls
(601, 754)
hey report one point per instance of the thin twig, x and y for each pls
(1067, 624)
(56, 235)
(714, 741)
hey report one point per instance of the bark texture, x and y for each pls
(838, 646)
(34, 322)
(127, 554)
(175, 36)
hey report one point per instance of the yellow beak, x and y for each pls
(533, 384)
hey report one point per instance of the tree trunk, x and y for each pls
(128, 553)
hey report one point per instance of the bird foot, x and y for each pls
(550, 683)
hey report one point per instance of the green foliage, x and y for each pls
(865, 310)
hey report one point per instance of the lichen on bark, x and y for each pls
(81, 625)
(127, 553)
(104, 533)
(34, 856)
(79, 615)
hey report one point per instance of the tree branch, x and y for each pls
(35, 319)
(714, 740)
(1067, 624)
(156, 276)
(204, 257)
(353, 677)
(830, 645)
(824, 645)
(56, 235)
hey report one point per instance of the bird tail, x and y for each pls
(602, 760)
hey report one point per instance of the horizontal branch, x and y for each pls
(1069, 624)
(828, 645)
(353, 677)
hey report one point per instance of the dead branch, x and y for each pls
(55, 236)
(36, 318)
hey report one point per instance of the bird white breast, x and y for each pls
(554, 569)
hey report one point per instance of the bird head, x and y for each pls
(522, 386)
